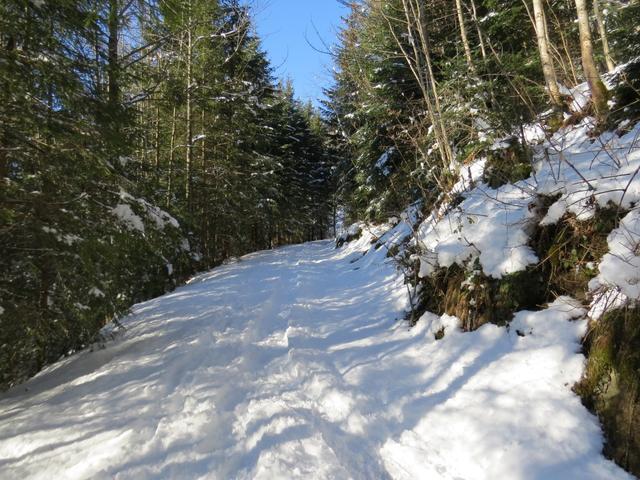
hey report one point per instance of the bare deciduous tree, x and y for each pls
(463, 36)
(418, 58)
(598, 90)
(545, 57)
(603, 35)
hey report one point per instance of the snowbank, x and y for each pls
(494, 225)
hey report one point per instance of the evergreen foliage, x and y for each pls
(376, 104)
(139, 141)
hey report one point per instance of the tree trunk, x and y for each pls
(419, 62)
(5, 94)
(598, 90)
(603, 36)
(97, 66)
(564, 58)
(203, 142)
(545, 57)
(156, 141)
(426, 50)
(172, 145)
(463, 36)
(143, 119)
(426, 81)
(483, 50)
(112, 57)
(189, 129)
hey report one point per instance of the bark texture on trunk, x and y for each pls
(112, 55)
(189, 125)
(464, 37)
(548, 69)
(598, 90)
(603, 36)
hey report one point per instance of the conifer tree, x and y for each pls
(109, 109)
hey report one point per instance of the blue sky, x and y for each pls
(286, 28)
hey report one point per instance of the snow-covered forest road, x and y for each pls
(295, 363)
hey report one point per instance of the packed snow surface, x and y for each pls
(295, 363)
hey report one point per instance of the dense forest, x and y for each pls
(142, 141)
(425, 86)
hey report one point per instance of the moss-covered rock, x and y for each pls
(611, 385)
(508, 164)
(518, 291)
(570, 250)
(477, 299)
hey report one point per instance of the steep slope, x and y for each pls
(295, 363)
